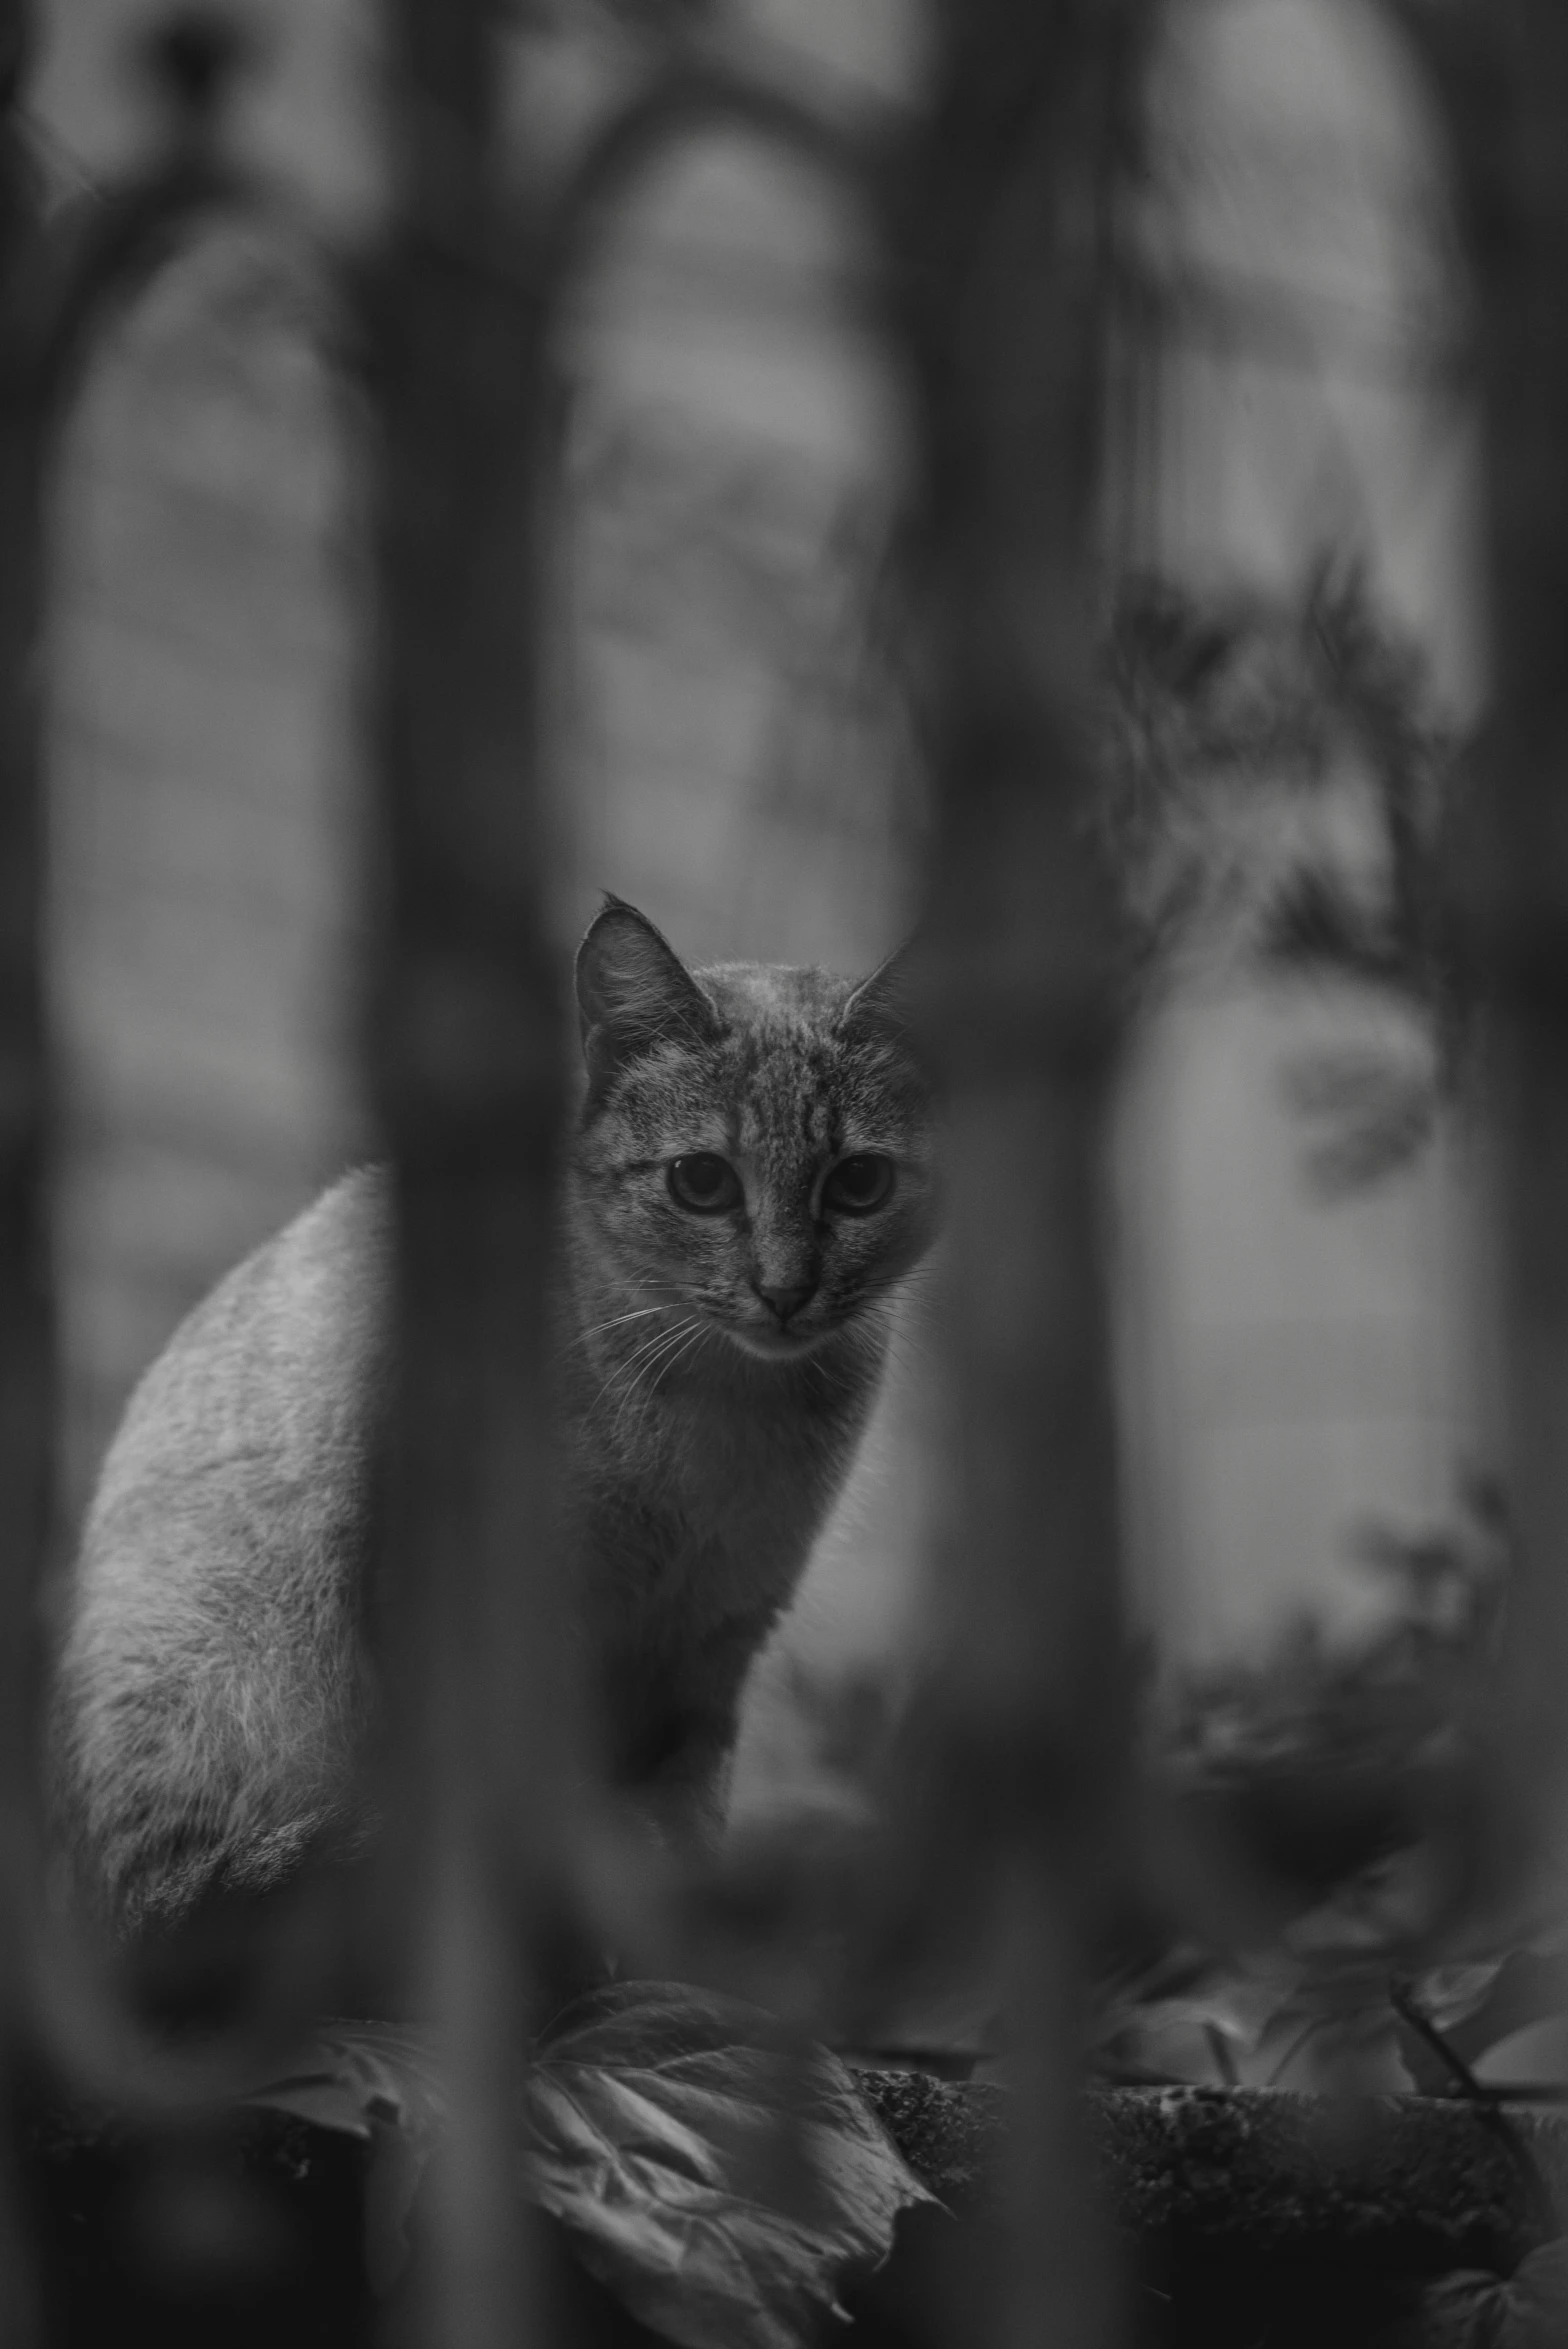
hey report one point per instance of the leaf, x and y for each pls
(1530, 1986)
(721, 2185)
(356, 2076)
(1212, 2033)
(1474, 2310)
(381, 2085)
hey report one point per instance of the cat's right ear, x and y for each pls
(633, 991)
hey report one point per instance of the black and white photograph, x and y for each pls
(784, 1174)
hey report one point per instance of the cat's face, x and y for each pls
(755, 1150)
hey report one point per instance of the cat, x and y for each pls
(749, 1183)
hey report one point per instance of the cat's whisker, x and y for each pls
(694, 1344)
(652, 1368)
(597, 1329)
(631, 1366)
(619, 1320)
(625, 1379)
(651, 1346)
(905, 1345)
(617, 1371)
(700, 1335)
(641, 1363)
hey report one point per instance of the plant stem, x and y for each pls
(1484, 2101)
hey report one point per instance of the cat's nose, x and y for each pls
(782, 1302)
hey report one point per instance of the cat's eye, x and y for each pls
(704, 1183)
(859, 1185)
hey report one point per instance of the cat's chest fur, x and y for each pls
(688, 1528)
(704, 1507)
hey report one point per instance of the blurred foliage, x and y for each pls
(1279, 799)
(1333, 1755)
(1368, 1111)
(1473, 2309)
(1339, 1785)
(1229, 725)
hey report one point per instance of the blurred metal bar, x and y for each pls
(693, 93)
(58, 282)
(26, 1320)
(467, 1061)
(66, 278)
(102, 247)
(1005, 247)
(1501, 75)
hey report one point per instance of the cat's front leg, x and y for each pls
(686, 1798)
(675, 1724)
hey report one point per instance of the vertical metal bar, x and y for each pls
(467, 1067)
(1502, 77)
(26, 1331)
(1006, 251)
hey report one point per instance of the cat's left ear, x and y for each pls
(882, 1003)
(633, 991)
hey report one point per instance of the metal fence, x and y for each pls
(1009, 299)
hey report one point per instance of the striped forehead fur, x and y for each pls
(780, 1046)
